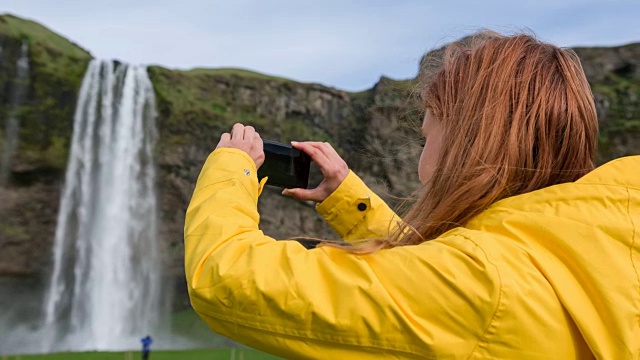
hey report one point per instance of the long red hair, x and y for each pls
(518, 115)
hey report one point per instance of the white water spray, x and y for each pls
(16, 99)
(104, 292)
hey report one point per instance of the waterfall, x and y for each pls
(104, 292)
(16, 99)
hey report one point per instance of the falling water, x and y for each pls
(105, 286)
(16, 99)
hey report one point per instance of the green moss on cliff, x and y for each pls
(34, 33)
(196, 106)
(16, 233)
(242, 73)
(50, 53)
(56, 69)
(619, 116)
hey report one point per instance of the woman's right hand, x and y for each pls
(333, 167)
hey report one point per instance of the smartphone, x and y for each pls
(285, 166)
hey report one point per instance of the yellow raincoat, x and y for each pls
(552, 274)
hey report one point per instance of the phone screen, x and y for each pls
(285, 166)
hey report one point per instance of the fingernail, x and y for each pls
(294, 143)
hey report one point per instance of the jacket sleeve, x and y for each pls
(277, 296)
(357, 213)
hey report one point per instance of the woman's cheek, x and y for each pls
(422, 166)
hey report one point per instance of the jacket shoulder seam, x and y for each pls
(633, 240)
(625, 186)
(483, 338)
(281, 331)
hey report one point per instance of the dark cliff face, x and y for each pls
(375, 130)
(614, 75)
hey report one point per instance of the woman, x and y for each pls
(516, 248)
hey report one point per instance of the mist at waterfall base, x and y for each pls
(105, 291)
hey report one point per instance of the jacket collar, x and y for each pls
(622, 172)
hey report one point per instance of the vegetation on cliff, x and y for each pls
(56, 70)
(614, 75)
(201, 103)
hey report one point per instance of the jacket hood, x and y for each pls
(584, 237)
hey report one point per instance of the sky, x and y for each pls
(347, 44)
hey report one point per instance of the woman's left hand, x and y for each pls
(244, 138)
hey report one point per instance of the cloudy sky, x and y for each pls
(347, 44)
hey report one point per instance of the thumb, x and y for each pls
(302, 194)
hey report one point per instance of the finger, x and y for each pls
(249, 132)
(237, 133)
(325, 148)
(329, 151)
(258, 141)
(224, 139)
(259, 146)
(338, 166)
(316, 144)
(314, 151)
(303, 194)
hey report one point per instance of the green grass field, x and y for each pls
(184, 324)
(188, 325)
(218, 354)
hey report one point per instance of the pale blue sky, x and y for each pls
(346, 44)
